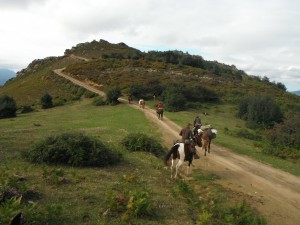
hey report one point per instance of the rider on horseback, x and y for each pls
(186, 137)
(197, 125)
(160, 110)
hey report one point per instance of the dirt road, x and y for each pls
(276, 194)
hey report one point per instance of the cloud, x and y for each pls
(259, 37)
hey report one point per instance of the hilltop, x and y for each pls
(106, 65)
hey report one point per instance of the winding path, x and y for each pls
(275, 193)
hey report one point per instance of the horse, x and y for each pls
(160, 113)
(204, 137)
(180, 153)
(129, 99)
(142, 103)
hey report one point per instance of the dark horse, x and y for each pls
(160, 113)
(180, 154)
(203, 138)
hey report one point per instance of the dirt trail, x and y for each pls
(276, 194)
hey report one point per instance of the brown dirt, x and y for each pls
(274, 193)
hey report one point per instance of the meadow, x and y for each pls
(70, 195)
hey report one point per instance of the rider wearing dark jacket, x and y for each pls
(186, 135)
(197, 124)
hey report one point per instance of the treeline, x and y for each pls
(176, 97)
(282, 134)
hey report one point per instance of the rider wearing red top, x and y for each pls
(160, 106)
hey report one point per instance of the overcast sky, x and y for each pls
(261, 37)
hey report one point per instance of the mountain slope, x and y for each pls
(111, 65)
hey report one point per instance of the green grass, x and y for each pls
(82, 192)
(85, 195)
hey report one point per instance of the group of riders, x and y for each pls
(159, 108)
(186, 133)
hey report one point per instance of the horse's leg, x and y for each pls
(188, 170)
(209, 145)
(180, 162)
(204, 147)
(172, 165)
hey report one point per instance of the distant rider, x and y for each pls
(197, 125)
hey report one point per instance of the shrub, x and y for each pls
(112, 95)
(46, 101)
(142, 142)
(284, 139)
(75, 149)
(174, 99)
(8, 107)
(26, 109)
(260, 110)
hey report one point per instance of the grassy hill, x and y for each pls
(123, 66)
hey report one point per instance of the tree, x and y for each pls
(174, 99)
(112, 95)
(8, 107)
(46, 101)
(260, 110)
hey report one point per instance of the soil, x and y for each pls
(274, 193)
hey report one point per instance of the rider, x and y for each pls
(160, 107)
(197, 125)
(186, 136)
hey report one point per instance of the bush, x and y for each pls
(73, 149)
(112, 95)
(141, 142)
(260, 110)
(46, 101)
(284, 139)
(26, 109)
(174, 99)
(8, 107)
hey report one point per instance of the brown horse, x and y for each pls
(160, 113)
(204, 137)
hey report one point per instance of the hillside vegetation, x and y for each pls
(137, 190)
(181, 80)
(118, 64)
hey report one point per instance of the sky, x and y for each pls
(260, 37)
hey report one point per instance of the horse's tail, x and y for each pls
(170, 152)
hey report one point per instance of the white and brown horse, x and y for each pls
(180, 154)
(204, 137)
(142, 103)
